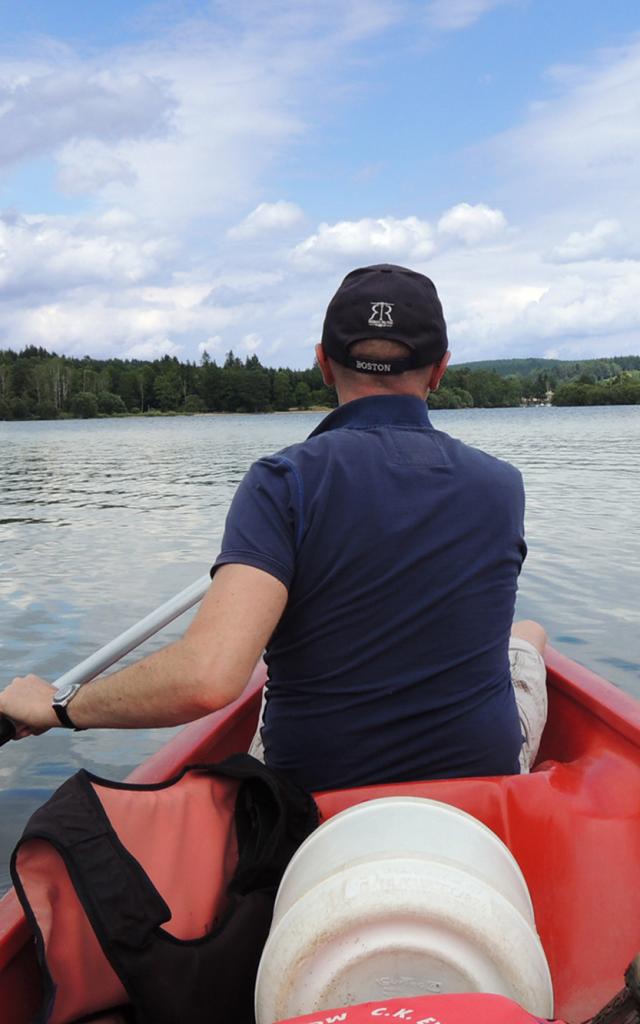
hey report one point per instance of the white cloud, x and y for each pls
(600, 240)
(516, 304)
(484, 301)
(250, 343)
(186, 132)
(243, 286)
(179, 294)
(153, 348)
(40, 254)
(88, 166)
(170, 142)
(585, 141)
(267, 218)
(451, 15)
(381, 238)
(392, 239)
(41, 112)
(472, 224)
(569, 174)
(578, 306)
(213, 346)
(182, 127)
(109, 323)
(331, 23)
(230, 118)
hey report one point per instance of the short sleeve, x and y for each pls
(265, 520)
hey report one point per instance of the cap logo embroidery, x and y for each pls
(381, 314)
(368, 366)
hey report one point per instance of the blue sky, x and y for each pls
(183, 176)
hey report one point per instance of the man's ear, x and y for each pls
(438, 372)
(325, 366)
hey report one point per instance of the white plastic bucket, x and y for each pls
(400, 896)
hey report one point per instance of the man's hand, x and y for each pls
(27, 702)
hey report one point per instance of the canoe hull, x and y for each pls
(573, 826)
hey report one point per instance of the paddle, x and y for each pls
(122, 644)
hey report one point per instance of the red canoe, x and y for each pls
(573, 825)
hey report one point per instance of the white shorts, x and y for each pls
(529, 678)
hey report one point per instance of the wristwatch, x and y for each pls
(61, 701)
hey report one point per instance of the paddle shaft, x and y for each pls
(125, 642)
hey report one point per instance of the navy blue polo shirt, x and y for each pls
(400, 548)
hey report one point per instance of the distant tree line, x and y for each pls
(37, 384)
(557, 370)
(622, 390)
(586, 382)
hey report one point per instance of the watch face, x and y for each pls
(65, 693)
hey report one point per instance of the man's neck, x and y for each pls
(370, 390)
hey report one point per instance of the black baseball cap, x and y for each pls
(385, 301)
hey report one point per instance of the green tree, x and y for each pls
(193, 403)
(209, 384)
(167, 392)
(450, 398)
(84, 405)
(146, 386)
(230, 390)
(20, 408)
(129, 389)
(23, 381)
(46, 410)
(255, 387)
(574, 394)
(110, 404)
(232, 362)
(90, 377)
(6, 388)
(302, 397)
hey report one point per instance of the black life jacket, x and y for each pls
(216, 839)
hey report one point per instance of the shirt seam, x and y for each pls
(413, 427)
(256, 559)
(297, 476)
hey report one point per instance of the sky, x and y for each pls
(189, 176)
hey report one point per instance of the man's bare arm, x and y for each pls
(203, 671)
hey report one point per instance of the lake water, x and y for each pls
(103, 520)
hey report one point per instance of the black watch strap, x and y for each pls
(63, 717)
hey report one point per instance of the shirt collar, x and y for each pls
(377, 411)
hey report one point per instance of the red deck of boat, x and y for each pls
(573, 825)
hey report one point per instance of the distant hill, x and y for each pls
(560, 369)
